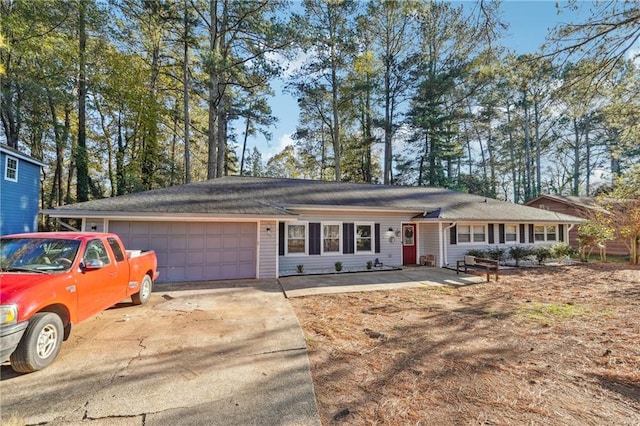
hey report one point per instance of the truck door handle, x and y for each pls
(71, 289)
(113, 274)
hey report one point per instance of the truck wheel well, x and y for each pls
(63, 313)
(59, 310)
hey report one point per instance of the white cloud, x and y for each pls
(284, 141)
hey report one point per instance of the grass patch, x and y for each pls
(545, 312)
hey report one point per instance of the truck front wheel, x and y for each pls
(143, 296)
(40, 343)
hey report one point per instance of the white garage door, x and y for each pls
(194, 251)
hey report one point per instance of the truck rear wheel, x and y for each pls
(143, 296)
(40, 343)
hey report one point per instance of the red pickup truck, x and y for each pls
(49, 281)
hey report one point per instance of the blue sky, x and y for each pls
(529, 23)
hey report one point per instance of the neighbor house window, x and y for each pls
(472, 233)
(297, 238)
(511, 233)
(364, 237)
(11, 169)
(331, 238)
(542, 233)
(551, 233)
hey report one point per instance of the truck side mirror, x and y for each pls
(91, 264)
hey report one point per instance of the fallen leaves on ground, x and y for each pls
(553, 345)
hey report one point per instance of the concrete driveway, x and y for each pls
(198, 354)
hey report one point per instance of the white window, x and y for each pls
(542, 233)
(331, 233)
(551, 233)
(472, 234)
(297, 239)
(11, 169)
(364, 237)
(511, 233)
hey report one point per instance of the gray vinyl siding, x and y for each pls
(390, 248)
(268, 250)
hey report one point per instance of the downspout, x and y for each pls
(442, 246)
(569, 228)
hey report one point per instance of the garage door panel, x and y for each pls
(190, 251)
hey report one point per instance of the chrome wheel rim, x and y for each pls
(47, 341)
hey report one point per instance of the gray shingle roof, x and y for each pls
(250, 196)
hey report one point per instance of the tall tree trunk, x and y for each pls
(246, 136)
(587, 158)
(185, 96)
(576, 160)
(527, 146)
(212, 100)
(536, 120)
(388, 128)
(336, 119)
(82, 160)
(512, 158)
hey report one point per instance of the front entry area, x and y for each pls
(409, 249)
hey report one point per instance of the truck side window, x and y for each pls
(96, 251)
(116, 249)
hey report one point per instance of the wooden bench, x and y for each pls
(478, 264)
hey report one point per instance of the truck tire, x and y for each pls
(40, 343)
(143, 296)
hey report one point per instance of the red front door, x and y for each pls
(409, 244)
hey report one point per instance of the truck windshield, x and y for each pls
(37, 254)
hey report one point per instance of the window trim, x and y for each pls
(372, 237)
(546, 237)
(517, 234)
(7, 168)
(306, 238)
(471, 234)
(340, 240)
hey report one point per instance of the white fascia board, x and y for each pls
(160, 217)
(293, 207)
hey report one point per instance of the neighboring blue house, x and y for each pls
(19, 191)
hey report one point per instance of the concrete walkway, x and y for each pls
(306, 285)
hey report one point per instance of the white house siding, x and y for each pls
(268, 250)
(429, 242)
(457, 251)
(390, 249)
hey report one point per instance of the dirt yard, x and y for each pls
(554, 345)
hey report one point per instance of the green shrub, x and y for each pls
(542, 254)
(561, 251)
(369, 264)
(338, 266)
(518, 253)
(300, 268)
(497, 253)
(477, 253)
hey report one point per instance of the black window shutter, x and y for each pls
(492, 238)
(531, 237)
(377, 232)
(314, 238)
(281, 238)
(501, 232)
(561, 233)
(522, 238)
(347, 238)
(454, 235)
